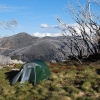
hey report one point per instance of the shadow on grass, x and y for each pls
(98, 71)
(10, 75)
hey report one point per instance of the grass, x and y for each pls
(68, 81)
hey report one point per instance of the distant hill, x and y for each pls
(27, 48)
(18, 41)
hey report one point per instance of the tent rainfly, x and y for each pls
(33, 72)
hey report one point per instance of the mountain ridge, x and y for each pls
(28, 48)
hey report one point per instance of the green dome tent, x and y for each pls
(34, 72)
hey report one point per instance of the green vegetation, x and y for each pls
(68, 81)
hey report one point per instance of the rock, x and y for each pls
(16, 62)
(53, 61)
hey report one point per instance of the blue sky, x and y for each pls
(34, 16)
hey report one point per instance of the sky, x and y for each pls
(35, 17)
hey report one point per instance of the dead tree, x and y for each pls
(85, 19)
(8, 24)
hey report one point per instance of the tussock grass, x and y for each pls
(68, 81)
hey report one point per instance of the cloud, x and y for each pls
(37, 34)
(63, 28)
(60, 26)
(76, 27)
(7, 8)
(44, 26)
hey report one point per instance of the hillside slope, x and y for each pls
(27, 48)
